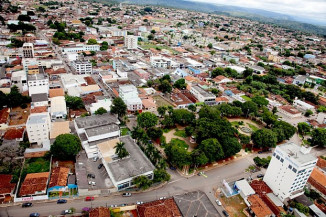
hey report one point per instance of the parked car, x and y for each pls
(173, 168)
(126, 194)
(92, 183)
(260, 152)
(162, 198)
(124, 204)
(67, 211)
(100, 166)
(89, 175)
(260, 176)
(27, 204)
(139, 202)
(95, 159)
(60, 201)
(89, 198)
(225, 213)
(112, 206)
(218, 202)
(34, 214)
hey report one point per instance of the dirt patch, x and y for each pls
(160, 101)
(19, 116)
(234, 205)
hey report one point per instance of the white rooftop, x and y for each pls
(294, 153)
(244, 187)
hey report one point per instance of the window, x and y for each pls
(278, 157)
(294, 170)
(282, 160)
(290, 167)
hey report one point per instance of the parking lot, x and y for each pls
(102, 180)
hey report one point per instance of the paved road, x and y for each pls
(178, 185)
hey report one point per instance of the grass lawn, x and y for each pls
(234, 205)
(253, 127)
(180, 133)
(147, 46)
(180, 143)
(124, 131)
(235, 123)
(245, 98)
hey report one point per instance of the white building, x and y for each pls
(58, 109)
(38, 83)
(40, 99)
(82, 67)
(129, 94)
(38, 127)
(163, 62)
(103, 103)
(302, 106)
(81, 48)
(95, 129)
(123, 171)
(131, 42)
(289, 170)
(19, 78)
(202, 95)
(28, 50)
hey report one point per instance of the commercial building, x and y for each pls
(38, 127)
(289, 170)
(28, 50)
(302, 106)
(289, 111)
(38, 83)
(129, 94)
(123, 171)
(82, 67)
(58, 109)
(95, 129)
(202, 95)
(131, 42)
(81, 48)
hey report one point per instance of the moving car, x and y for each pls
(218, 202)
(126, 194)
(100, 166)
(27, 204)
(89, 198)
(34, 214)
(173, 168)
(60, 201)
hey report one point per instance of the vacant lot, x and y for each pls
(234, 205)
(160, 101)
(19, 116)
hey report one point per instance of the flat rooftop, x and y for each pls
(95, 131)
(37, 119)
(294, 153)
(203, 92)
(134, 165)
(195, 203)
(95, 121)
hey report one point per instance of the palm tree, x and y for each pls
(120, 150)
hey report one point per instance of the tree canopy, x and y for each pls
(65, 147)
(119, 107)
(147, 119)
(264, 138)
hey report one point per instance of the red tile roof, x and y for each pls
(159, 208)
(318, 180)
(39, 109)
(99, 212)
(258, 206)
(59, 177)
(14, 133)
(34, 182)
(4, 115)
(5, 186)
(56, 92)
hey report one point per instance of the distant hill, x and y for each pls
(248, 13)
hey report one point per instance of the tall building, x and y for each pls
(28, 50)
(38, 127)
(289, 170)
(82, 67)
(131, 41)
(129, 95)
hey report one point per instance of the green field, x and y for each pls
(180, 143)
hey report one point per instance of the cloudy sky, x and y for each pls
(312, 9)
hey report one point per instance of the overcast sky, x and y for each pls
(313, 9)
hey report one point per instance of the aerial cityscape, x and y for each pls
(162, 108)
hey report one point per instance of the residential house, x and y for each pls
(4, 118)
(258, 208)
(39, 99)
(34, 184)
(58, 184)
(318, 180)
(99, 212)
(302, 106)
(6, 188)
(159, 208)
(37, 84)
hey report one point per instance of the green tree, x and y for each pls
(154, 133)
(198, 158)
(150, 37)
(165, 86)
(303, 128)
(65, 147)
(177, 155)
(287, 128)
(212, 149)
(142, 182)
(147, 120)
(274, 110)
(244, 139)
(268, 117)
(192, 107)
(153, 31)
(120, 150)
(91, 41)
(210, 45)
(260, 101)
(264, 138)
(101, 111)
(183, 116)
(162, 110)
(104, 46)
(230, 146)
(167, 121)
(318, 137)
(249, 107)
(74, 102)
(14, 98)
(180, 84)
(161, 175)
(23, 17)
(119, 107)
(308, 113)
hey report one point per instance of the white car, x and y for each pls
(139, 202)
(92, 183)
(218, 202)
(162, 198)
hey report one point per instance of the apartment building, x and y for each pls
(28, 50)
(131, 42)
(38, 83)
(82, 67)
(129, 95)
(289, 170)
(38, 127)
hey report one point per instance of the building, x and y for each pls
(302, 106)
(318, 180)
(159, 208)
(123, 171)
(6, 188)
(129, 94)
(38, 83)
(38, 127)
(39, 99)
(289, 170)
(34, 184)
(96, 129)
(244, 188)
(102, 103)
(289, 111)
(58, 184)
(258, 208)
(163, 62)
(202, 95)
(82, 67)
(131, 42)
(28, 50)
(80, 48)
(58, 109)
